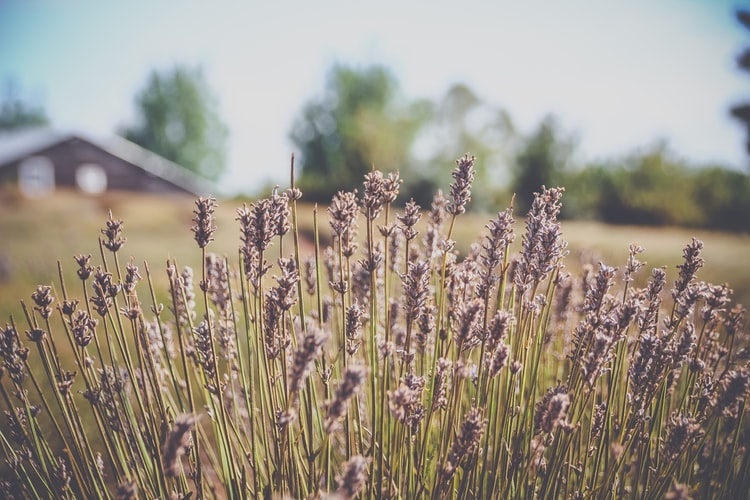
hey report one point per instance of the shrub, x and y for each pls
(382, 365)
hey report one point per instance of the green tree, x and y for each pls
(16, 113)
(462, 122)
(742, 111)
(540, 161)
(177, 118)
(359, 122)
(651, 186)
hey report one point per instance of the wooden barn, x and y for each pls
(40, 160)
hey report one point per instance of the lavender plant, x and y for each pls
(385, 365)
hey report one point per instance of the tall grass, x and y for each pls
(382, 365)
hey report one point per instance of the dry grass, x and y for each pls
(482, 373)
(35, 234)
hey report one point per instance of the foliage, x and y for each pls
(17, 113)
(177, 118)
(742, 111)
(540, 160)
(358, 123)
(384, 364)
(653, 187)
(462, 121)
(723, 198)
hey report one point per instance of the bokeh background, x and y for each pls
(618, 76)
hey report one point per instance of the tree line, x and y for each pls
(361, 121)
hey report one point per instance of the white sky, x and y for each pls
(620, 74)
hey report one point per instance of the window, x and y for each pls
(36, 176)
(91, 178)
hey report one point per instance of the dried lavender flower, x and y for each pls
(204, 351)
(416, 284)
(500, 236)
(131, 278)
(498, 327)
(281, 212)
(438, 209)
(716, 298)
(464, 442)
(409, 219)
(353, 327)
(353, 379)
(633, 265)
(285, 291)
(734, 322)
(604, 334)
(43, 298)
(425, 327)
(113, 240)
(343, 212)
(467, 332)
(734, 386)
(598, 288)
(16, 425)
(542, 245)
(83, 327)
(271, 320)
(396, 243)
(552, 410)
(352, 477)
(443, 372)
(65, 381)
(176, 443)
(218, 277)
(104, 291)
(257, 227)
(304, 357)
(682, 431)
(597, 421)
(463, 178)
(497, 356)
(311, 275)
(61, 477)
(685, 342)
(184, 294)
(204, 228)
(127, 491)
(437, 218)
(647, 320)
(84, 268)
(405, 403)
(678, 492)
(14, 356)
(693, 262)
(391, 185)
(373, 199)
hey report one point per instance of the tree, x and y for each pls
(742, 111)
(358, 123)
(16, 113)
(461, 122)
(541, 159)
(177, 118)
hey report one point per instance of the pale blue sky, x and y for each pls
(620, 74)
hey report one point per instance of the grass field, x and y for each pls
(34, 235)
(427, 383)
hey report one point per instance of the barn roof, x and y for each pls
(17, 145)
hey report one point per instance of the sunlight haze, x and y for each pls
(619, 75)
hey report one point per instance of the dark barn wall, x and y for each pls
(68, 155)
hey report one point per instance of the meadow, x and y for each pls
(270, 348)
(35, 234)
